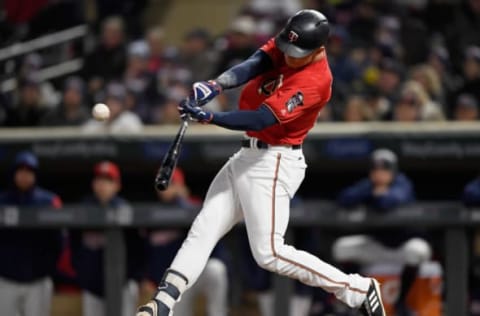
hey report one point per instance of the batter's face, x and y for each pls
(295, 63)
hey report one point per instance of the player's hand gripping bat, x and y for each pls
(169, 162)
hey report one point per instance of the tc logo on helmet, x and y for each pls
(292, 36)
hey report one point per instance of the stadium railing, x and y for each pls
(8, 54)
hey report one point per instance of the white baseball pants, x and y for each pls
(25, 299)
(257, 185)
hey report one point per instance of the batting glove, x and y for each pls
(204, 91)
(189, 108)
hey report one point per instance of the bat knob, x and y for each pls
(161, 184)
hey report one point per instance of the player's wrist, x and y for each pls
(216, 85)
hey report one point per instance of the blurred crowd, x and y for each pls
(402, 61)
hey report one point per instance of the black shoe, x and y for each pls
(373, 305)
(153, 308)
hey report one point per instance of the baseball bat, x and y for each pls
(169, 162)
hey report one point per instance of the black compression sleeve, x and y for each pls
(256, 64)
(245, 120)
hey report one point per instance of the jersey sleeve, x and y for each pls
(291, 100)
(271, 50)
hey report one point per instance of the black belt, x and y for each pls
(262, 145)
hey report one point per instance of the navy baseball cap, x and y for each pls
(26, 159)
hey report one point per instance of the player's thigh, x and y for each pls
(266, 216)
(39, 298)
(221, 209)
(9, 297)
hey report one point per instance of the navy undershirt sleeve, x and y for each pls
(245, 120)
(256, 64)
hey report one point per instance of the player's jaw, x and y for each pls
(295, 63)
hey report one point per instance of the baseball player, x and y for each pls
(288, 82)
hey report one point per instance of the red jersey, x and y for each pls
(295, 97)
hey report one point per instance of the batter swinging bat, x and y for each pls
(164, 174)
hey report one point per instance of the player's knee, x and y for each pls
(215, 271)
(266, 261)
(417, 251)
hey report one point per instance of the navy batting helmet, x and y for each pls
(306, 31)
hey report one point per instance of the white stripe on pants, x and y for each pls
(93, 305)
(258, 185)
(25, 299)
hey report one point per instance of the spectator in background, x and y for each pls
(167, 112)
(390, 79)
(240, 43)
(72, 111)
(407, 109)
(356, 109)
(343, 69)
(463, 30)
(471, 72)
(428, 110)
(385, 189)
(107, 61)
(197, 54)
(430, 81)
(162, 245)
(131, 10)
(30, 67)
(88, 247)
(466, 108)
(439, 60)
(29, 110)
(471, 193)
(378, 107)
(28, 256)
(364, 22)
(121, 120)
(279, 8)
(155, 37)
(139, 81)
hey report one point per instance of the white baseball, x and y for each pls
(101, 112)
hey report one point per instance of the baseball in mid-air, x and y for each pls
(101, 112)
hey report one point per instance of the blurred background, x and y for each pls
(400, 131)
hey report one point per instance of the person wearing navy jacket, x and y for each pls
(471, 193)
(385, 189)
(88, 247)
(28, 256)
